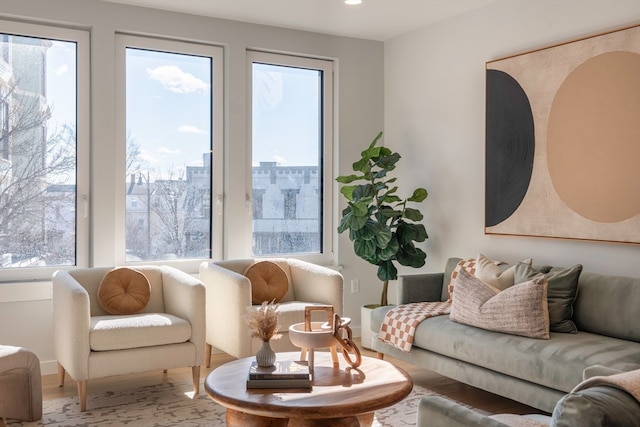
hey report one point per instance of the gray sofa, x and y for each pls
(535, 372)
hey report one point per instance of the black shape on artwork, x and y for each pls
(510, 144)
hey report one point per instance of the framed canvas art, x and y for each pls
(563, 140)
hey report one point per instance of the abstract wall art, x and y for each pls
(562, 155)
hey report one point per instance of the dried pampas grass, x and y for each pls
(263, 321)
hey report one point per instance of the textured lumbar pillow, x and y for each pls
(561, 293)
(124, 291)
(489, 272)
(269, 282)
(518, 310)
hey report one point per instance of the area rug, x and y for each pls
(170, 404)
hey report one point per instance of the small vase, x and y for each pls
(265, 357)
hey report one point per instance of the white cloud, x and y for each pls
(280, 160)
(176, 80)
(148, 157)
(166, 150)
(63, 69)
(191, 129)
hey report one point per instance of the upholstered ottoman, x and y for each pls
(20, 384)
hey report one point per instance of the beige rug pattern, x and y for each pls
(170, 404)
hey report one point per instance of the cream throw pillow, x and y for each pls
(518, 310)
(489, 272)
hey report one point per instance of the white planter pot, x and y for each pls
(366, 335)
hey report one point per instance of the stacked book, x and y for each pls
(283, 374)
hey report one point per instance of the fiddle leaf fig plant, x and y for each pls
(381, 225)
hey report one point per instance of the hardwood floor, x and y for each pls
(438, 383)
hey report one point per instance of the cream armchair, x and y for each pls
(169, 332)
(229, 293)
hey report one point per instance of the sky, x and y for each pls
(168, 108)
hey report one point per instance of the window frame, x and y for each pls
(327, 66)
(81, 38)
(216, 53)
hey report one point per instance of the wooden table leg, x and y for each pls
(242, 419)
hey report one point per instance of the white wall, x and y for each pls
(25, 310)
(434, 116)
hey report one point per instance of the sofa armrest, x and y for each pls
(318, 284)
(436, 411)
(184, 297)
(228, 296)
(71, 325)
(420, 287)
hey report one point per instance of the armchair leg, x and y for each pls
(207, 354)
(60, 375)
(195, 371)
(379, 355)
(2, 424)
(82, 395)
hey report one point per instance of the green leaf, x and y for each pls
(363, 191)
(364, 248)
(411, 256)
(376, 139)
(379, 174)
(387, 271)
(383, 235)
(344, 222)
(388, 252)
(389, 212)
(419, 195)
(346, 179)
(347, 191)
(359, 208)
(362, 165)
(388, 162)
(357, 222)
(412, 214)
(391, 199)
(408, 233)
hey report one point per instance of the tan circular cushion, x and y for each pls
(269, 282)
(124, 291)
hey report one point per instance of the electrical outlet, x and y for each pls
(355, 286)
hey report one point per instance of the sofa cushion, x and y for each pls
(490, 272)
(138, 330)
(269, 282)
(608, 305)
(557, 363)
(561, 293)
(124, 291)
(597, 406)
(520, 309)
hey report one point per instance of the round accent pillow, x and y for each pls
(269, 282)
(124, 291)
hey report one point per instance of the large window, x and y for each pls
(171, 102)
(291, 136)
(43, 149)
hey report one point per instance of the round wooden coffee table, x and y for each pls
(341, 396)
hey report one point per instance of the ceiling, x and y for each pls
(372, 19)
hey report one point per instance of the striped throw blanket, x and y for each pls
(399, 324)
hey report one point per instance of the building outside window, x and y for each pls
(291, 144)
